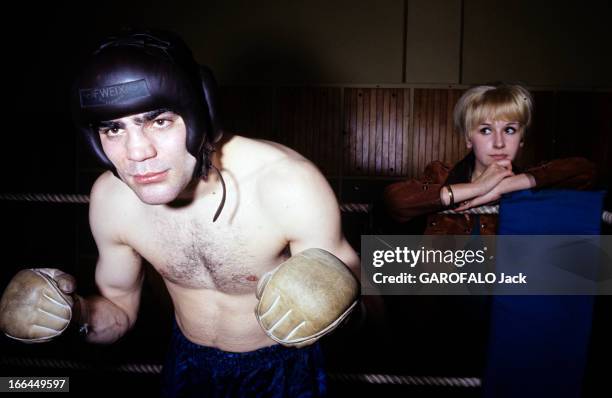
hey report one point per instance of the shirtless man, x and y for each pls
(151, 121)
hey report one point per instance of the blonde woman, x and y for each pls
(493, 120)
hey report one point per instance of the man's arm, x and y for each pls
(305, 209)
(119, 272)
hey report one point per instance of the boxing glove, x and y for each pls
(33, 308)
(305, 298)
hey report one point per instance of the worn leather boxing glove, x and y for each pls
(33, 308)
(305, 298)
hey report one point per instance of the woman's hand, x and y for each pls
(506, 185)
(491, 196)
(492, 176)
(482, 189)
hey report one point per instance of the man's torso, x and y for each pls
(211, 269)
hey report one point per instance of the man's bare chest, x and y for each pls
(191, 252)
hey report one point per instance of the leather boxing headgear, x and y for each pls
(143, 71)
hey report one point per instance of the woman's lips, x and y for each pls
(150, 178)
(499, 157)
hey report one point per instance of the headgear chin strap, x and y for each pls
(141, 71)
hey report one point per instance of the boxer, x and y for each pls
(213, 213)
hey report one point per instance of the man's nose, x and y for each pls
(139, 146)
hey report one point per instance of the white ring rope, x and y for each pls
(606, 216)
(45, 197)
(475, 210)
(433, 381)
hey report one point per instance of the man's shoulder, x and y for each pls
(289, 180)
(270, 161)
(263, 152)
(106, 186)
(108, 192)
(289, 188)
(288, 171)
(112, 209)
(284, 180)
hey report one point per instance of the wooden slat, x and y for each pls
(393, 138)
(427, 133)
(407, 133)
(435, 130)
(376, 134)
(434, 135)
(421, 129)
(452, 150)
(459, 145)
(370, 139)
(377, 120)
(383, 165)
(308, 122)
(354, 117)
(361, 132)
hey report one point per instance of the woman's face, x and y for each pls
(494, 140)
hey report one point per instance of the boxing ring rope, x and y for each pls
(45, 197)
(606, 216)
(155, 369)
(78, 198)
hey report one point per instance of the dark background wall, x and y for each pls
(364, 89)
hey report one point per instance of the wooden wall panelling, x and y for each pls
(419, 132)
(406, 131)
(350, 128)
(376, 125)
(383, 132)
(434, 137)
(309, 122)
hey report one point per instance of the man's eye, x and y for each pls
(112, 131)
(161, 122)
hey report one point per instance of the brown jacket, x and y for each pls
(408, 199)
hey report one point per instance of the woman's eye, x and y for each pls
(485, 130)
(510, 130)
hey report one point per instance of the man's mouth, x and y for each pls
(150, 178)
(499, 157)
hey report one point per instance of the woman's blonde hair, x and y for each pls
(500, 102)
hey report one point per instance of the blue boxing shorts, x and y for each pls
(192, 370)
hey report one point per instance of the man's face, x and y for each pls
(150, 154)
